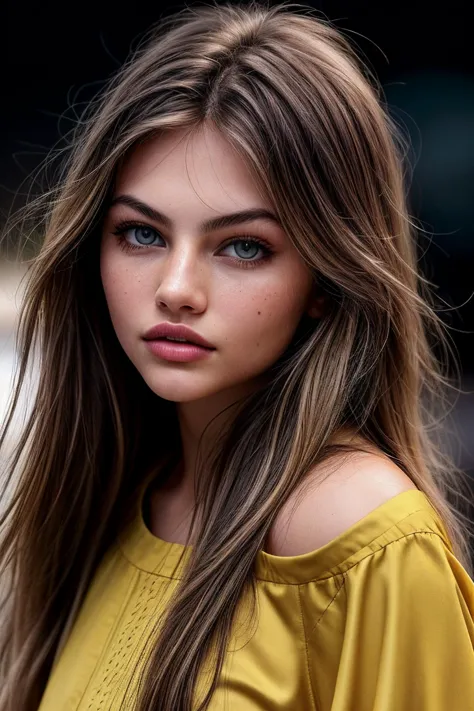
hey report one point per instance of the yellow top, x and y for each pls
(381, 618)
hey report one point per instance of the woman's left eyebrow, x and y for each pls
(215, 223)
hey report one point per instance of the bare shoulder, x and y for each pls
(318, 512)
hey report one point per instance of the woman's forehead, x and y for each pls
(177, 171)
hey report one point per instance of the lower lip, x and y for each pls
(178, 352)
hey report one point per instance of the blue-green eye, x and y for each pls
(147, 234)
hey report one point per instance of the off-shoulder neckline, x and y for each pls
(150, 553)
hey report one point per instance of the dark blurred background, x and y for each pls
(57, 56)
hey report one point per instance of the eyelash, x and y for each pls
(123, 227)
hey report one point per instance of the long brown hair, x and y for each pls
(289, 92)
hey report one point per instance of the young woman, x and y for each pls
(260, 517)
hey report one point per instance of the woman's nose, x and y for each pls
(181, 281)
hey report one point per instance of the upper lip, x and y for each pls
(176, 331)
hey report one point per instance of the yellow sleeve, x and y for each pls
(407, 621)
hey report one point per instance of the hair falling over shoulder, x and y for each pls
(289, 92)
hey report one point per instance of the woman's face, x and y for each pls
(181, 273)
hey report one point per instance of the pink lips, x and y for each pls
(178, 352)
(162, 330)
